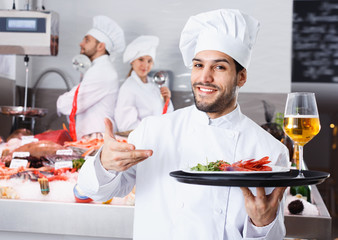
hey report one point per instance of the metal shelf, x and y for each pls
(310, 227)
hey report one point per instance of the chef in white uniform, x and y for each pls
(139, 96)
(99, 88)
(217, 44)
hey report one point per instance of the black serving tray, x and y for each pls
(276, 179)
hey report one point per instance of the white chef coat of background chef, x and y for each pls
(99, 88)
(167, 209)
(137, 99)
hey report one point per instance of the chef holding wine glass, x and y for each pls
(301, 121)
(139, 96)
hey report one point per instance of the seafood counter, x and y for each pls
(45, 166)
(38, 177)
(29, 161)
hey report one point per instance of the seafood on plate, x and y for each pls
(242, 165)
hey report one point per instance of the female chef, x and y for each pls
(139, 96)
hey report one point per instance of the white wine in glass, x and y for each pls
(301, 120)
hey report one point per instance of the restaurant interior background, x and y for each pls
(280, 62)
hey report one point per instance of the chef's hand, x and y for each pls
(165, 92)
(119, 156)
(262, 209)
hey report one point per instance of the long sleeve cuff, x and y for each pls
(103, 176)
(271, 231)
(253, 232)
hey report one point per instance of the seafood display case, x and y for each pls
(35, 220)
(41, 220)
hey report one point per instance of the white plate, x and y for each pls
(275, 169)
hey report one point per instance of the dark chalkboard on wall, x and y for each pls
(315, 41)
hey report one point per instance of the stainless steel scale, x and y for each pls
(28, 33)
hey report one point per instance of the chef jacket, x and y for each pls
(136, 101)
(96, 98)
(168, 209)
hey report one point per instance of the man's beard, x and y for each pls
(89, 52)
(220, 104)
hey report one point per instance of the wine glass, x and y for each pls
(301, 121)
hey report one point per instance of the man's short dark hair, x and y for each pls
(97, 41)
(239, 67)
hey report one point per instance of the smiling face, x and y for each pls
(142, 66)
(215, 82)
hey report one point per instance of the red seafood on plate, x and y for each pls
(253, 165)
(242, 166)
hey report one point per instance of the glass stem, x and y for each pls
(300, 149)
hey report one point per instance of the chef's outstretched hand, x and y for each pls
(262, 208)
(165, 92)
(119, 156)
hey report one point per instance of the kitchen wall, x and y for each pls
(270, 70)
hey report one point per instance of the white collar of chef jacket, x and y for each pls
(100, 59)
(139, 81)
(227, 121)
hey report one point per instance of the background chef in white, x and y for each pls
(99, 88)
(139, 96)
(217, 45)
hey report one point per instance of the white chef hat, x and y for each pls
(144, 45)
(109, 32)
(226, 30)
